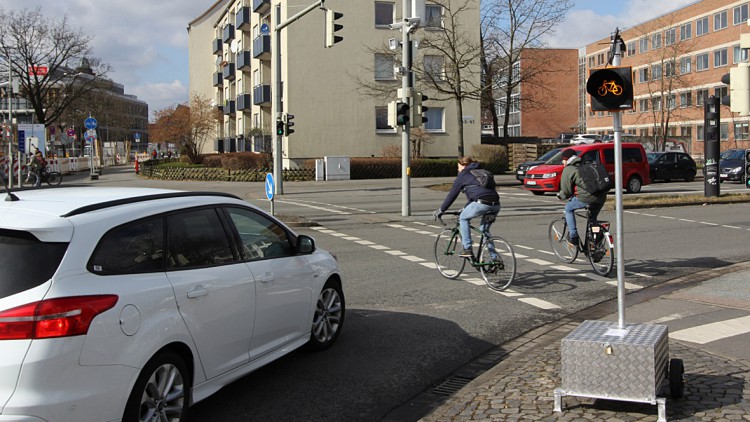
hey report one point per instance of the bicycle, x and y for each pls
(609, 86)
(52, 178)
(596, 243)
(496, 261)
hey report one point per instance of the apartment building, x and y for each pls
(678, 60)
(330, 91)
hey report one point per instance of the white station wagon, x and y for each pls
(132, 304)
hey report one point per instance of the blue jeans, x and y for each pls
(576, 204)
(474, 209)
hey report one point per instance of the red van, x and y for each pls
(635, 168)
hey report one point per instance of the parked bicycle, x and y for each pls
(52, 178)
(596, 244)
(496, 260)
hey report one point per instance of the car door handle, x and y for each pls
(197, 292)
(265, 278)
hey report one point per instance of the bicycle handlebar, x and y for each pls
(440, 217)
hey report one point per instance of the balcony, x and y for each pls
(228, 72)
(218, 79)
(244, 102)
(261, 94)
(217, 47)
(262, 47)
(242, 19)
(229, 108)
(261, 6)
(244, 60)
(228, 35)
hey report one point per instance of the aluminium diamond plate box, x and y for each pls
(600, 360)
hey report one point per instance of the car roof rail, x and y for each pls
(144, 198)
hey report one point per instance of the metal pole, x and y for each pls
(10, 127)
(406, 84)
(618, 202)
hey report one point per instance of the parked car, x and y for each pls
(732, 165)
(546, 177)
(671, 165)
(527, 165)
(125, 303)
(585, 138)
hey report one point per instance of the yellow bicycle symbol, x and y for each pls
(609, 86)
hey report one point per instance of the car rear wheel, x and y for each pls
(690, 175)
(634, 184)
(162, 391)
(329, 316)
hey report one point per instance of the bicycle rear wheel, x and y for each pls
(54, 178)
(558, 241)
(601, 251)
(497, 263)
(447, 248)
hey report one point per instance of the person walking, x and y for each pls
(574, 191)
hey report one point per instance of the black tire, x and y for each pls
(634, 184)
(330, 310)
(447, 261)
(601, 252)
(500, 274)
(537, 192)
(54, 178)
(676, 381)
(162, 391)
(690, 175)
(557, 234)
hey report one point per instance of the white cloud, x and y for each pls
(161, 95)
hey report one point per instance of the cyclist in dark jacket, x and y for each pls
(480, 200)
(577, 198)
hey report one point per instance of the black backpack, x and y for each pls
(596, 179)
(485, 178)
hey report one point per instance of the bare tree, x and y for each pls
(187, 126)
(510, 28)
(52, 61)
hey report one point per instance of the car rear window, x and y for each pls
(26, 262)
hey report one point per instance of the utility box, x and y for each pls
(320, 170)
(337, 168)
(599, 360)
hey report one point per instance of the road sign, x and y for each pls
(71, 132)
(264, 29)
(90, 123)
(90, 136)
(269, 186)
(137, 136)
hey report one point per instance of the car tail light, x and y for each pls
(61, 317)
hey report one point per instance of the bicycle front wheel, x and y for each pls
(497, 263)
(601, 252)
(558, 241)
(447, 248)
(54, 178)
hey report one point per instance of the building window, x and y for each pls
(685, 65)
(434, 67)
(381, 120)
(701, 62)
(656, 41)
(686, 31)
(702, 97)
(701, 26)
(643, 75)
(433, 16)
(591, 61)
(699, 132)
(721, 92)
(741, 132)
(434, 120)
(671, 101)
(631, 48)
(643, 45)
(720, 20)
(643, 105)
(644, 133)
(740, 14)
(384, 67)
(670, 36)
(383, 13)
(669, 69)
(724, 130)
(656, 103)
(686, 131)
(656, 72)
(686, 99)
(739, 55)
(720, 57)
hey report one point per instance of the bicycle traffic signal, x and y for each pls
(611, 89)
(402, 114)
(279, 128)
(332, 27)
(288, 123)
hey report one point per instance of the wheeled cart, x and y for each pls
(603, 361)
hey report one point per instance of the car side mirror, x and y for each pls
(305, 244)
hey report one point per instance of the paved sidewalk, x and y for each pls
(717, 386)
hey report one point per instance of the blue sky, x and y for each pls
(145, 41)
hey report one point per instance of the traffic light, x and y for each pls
(402, 114)
(418, 110)
(611, 89)
(332, 27)
(288, 123)
(738, 99)
(747, 168)
(279, 128)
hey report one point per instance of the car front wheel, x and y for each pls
(329, 316)
(162, 391)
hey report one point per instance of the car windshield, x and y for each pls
(555, 159)
(733, 154)
(549, 154)
(653, 156)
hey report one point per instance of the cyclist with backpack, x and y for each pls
(479, 187)
(38, 166)
(573, 188)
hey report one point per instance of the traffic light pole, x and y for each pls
(619, 255)
(406, 92)
(278, 171)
